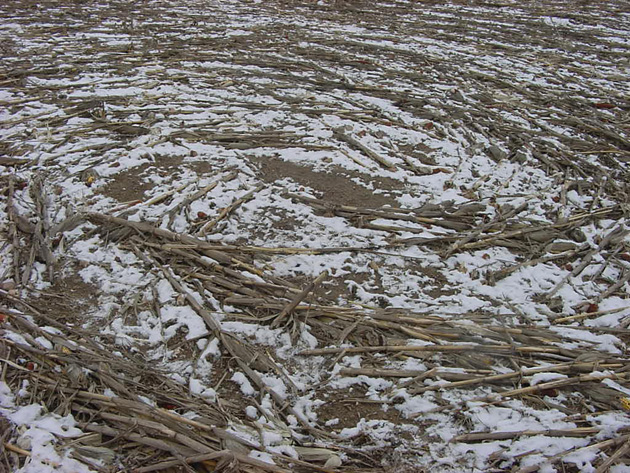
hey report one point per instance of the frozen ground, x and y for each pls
(315, 236)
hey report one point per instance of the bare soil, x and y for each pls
(334, 187)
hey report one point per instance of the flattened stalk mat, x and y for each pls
(317, 236)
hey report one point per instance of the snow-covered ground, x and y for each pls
(451, 177)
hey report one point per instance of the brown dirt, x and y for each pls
(203, 166)
(68, 300)
(334, 187)
(228, 392)
(127, 186)
(338, 288)
(438, 281)
(341, 405)
(349, 406)
(131, 184)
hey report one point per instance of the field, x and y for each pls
(314, 236)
